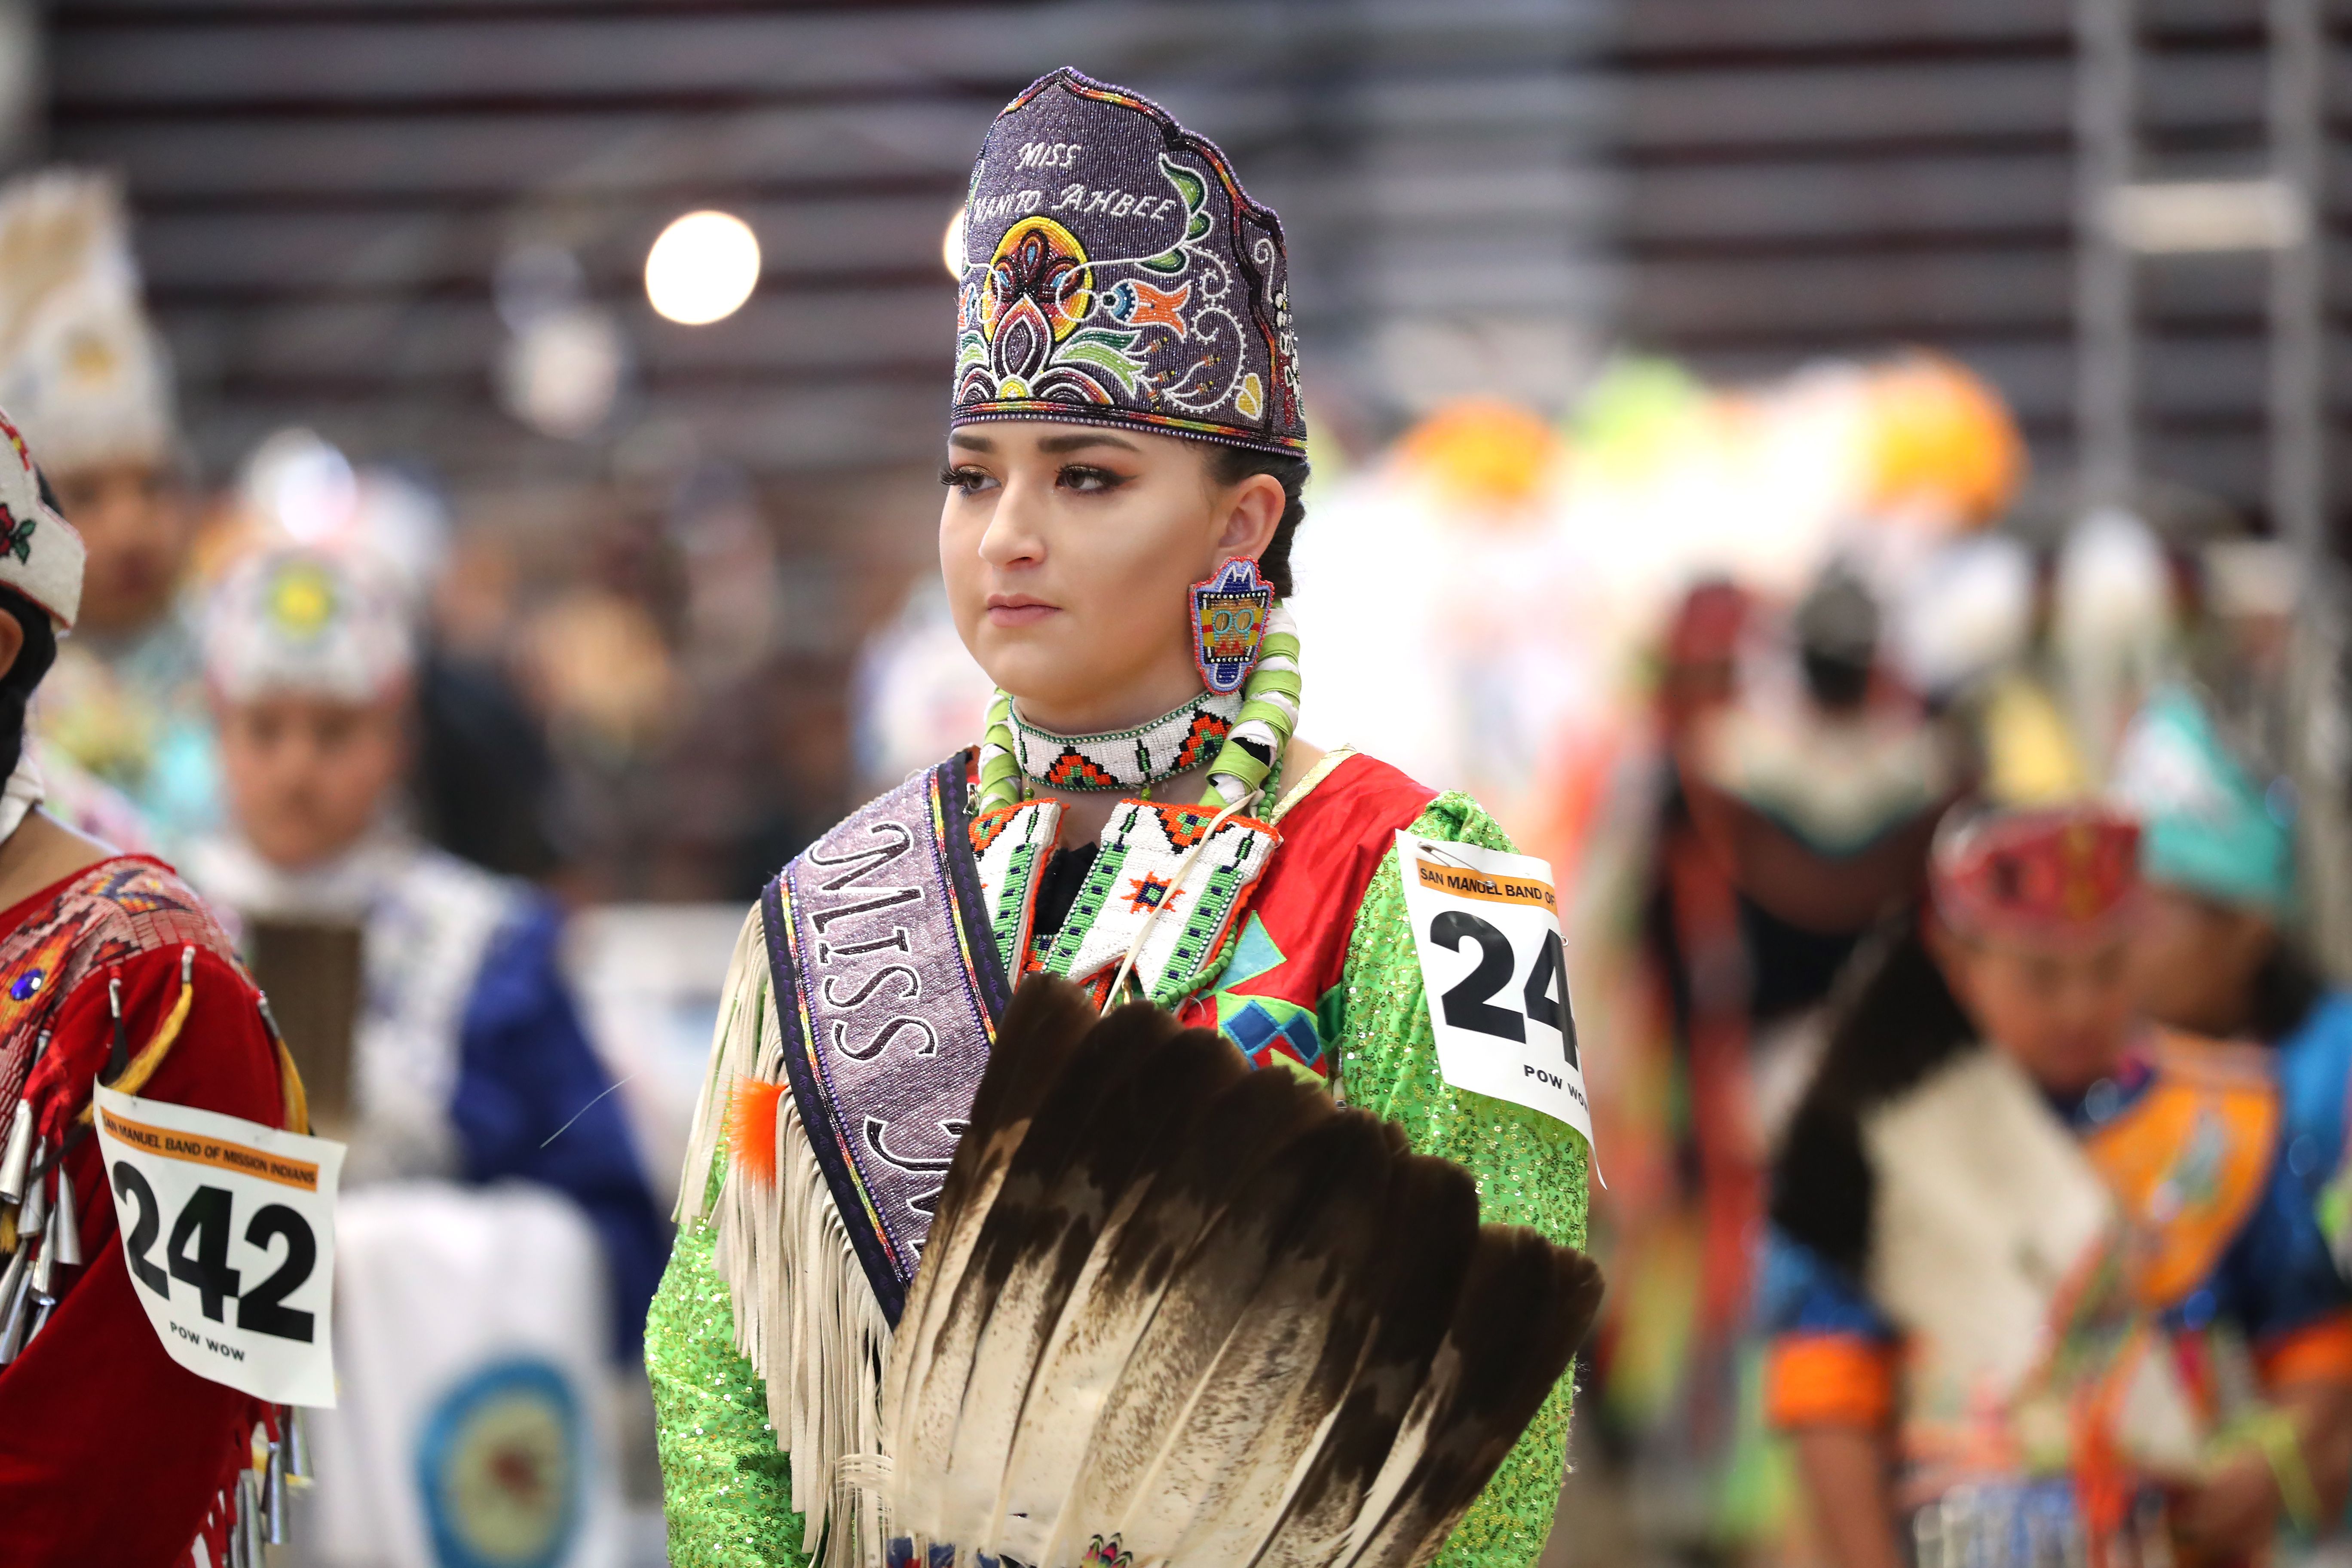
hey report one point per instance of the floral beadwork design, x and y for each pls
(16, 534)
(1032, 320)
(1115, 271)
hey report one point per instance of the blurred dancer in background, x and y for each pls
(82, 366)
(469, 1053)
(482, 773)
(1812, 800)
(2221, 952)
(449, 1055)
(2113, 1314)
(1799, 786)
(111, 969)
(2218, 954)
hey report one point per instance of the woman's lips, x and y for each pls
(1017, 610)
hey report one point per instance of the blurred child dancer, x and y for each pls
(2220, 951)
(2039, 1284)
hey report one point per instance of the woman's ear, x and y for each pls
(1252, 511)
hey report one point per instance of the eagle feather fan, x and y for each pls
(1172, 1312)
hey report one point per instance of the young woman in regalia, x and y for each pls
(1124, 461)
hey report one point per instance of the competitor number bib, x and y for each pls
(230, 1230)
(1486, 926)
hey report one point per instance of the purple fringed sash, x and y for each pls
(889, 987)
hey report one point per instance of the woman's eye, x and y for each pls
(1090, 481)
(969, 480)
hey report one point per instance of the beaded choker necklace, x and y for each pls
(1254, 733)
(1183, 737)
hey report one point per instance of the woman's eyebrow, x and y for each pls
(1059, 445)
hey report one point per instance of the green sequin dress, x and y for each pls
(727, 1489)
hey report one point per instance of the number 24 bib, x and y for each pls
(1486, 926)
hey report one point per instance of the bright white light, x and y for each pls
(702, 268)
(952, 248)
(2179, 215)
(304, 486)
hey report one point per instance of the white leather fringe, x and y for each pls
(805, 1317)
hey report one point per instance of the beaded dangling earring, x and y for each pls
(1249, 752)
(1229, 622)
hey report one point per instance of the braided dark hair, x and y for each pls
(1891, 1021)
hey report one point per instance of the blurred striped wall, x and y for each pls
(326, 189)
(1481, 193)
(1809, 176)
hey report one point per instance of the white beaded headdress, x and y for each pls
(291, 619)
(80, 368)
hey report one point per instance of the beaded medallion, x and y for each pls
(1145, 868)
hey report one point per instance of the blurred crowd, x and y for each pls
(1739, 662)
(570, 666)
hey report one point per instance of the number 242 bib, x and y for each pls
(230, 1230)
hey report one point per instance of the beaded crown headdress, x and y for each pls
(82, 372)
(41, 554)
(2065, 877)
(1115, 272)
(291, 619)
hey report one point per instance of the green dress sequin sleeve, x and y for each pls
(728, 1489)
(1530, 1169)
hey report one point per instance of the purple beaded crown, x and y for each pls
(1116, 273)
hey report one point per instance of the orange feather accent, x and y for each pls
(752, 1127)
